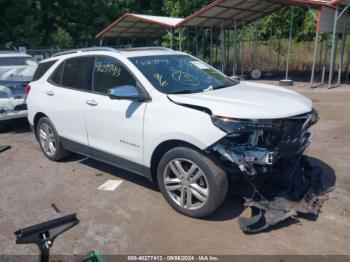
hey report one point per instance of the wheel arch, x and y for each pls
(164, 147)
(37, 117)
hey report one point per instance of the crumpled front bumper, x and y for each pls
(306, 197)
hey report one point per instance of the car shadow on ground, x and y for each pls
(233, 205)
(17, 126)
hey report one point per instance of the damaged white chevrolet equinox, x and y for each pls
(181, 123)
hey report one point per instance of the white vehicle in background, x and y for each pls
(176, 120)
(16, 71)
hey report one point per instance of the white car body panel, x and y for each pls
(65, 108)
(8, 103)
(250, 101)
(116, 127)
(166, 121)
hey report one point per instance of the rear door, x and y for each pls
(115, 127)
(66, 93)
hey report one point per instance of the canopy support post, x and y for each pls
(270, 53)
(181, 30)
(234, 55)
(222, 46)
(242, 49)
(314, 59)
(211, 45)
(196, 41)
(286, 81)
(333, 55)
(101, 41)
(342, 53)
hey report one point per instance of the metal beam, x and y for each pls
(314, 59)
(290, 40)
(331, 67)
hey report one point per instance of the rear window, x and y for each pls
(77, 73)
(16, 61)
(42, 69)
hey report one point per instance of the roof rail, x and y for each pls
(89, 49)
(146, 48)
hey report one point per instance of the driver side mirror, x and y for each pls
(126, 93)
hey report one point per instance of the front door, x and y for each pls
(114, 127)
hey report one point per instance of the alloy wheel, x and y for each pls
(47, 139)
(186, 184)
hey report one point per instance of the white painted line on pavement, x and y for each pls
(110, 185)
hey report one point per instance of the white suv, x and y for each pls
(169, 117)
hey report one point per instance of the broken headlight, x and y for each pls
(232, 125)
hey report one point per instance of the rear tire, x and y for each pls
(191, 182)
(49, 140)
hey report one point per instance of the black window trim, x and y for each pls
(139, 85)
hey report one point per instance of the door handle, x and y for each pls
(91, 102)
(50, 93)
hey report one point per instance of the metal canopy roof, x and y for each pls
(135, 25)
(243, 11)
(213, 15)
(339, 2)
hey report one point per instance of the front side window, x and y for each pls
(172, 74)
(110, 73)
(77, 73)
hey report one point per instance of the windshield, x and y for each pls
(17, 61)
(180, 74)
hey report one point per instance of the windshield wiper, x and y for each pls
(181, 92)
(221, 87)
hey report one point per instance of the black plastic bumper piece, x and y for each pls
(268, 213)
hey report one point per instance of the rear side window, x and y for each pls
(56, 76)
(77, 73)
(42, 69)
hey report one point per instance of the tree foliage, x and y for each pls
(36, 23)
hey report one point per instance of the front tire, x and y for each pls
(49, 140)
(191, 183)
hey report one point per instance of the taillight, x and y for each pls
(27, 89)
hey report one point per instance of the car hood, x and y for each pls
(249, 101)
